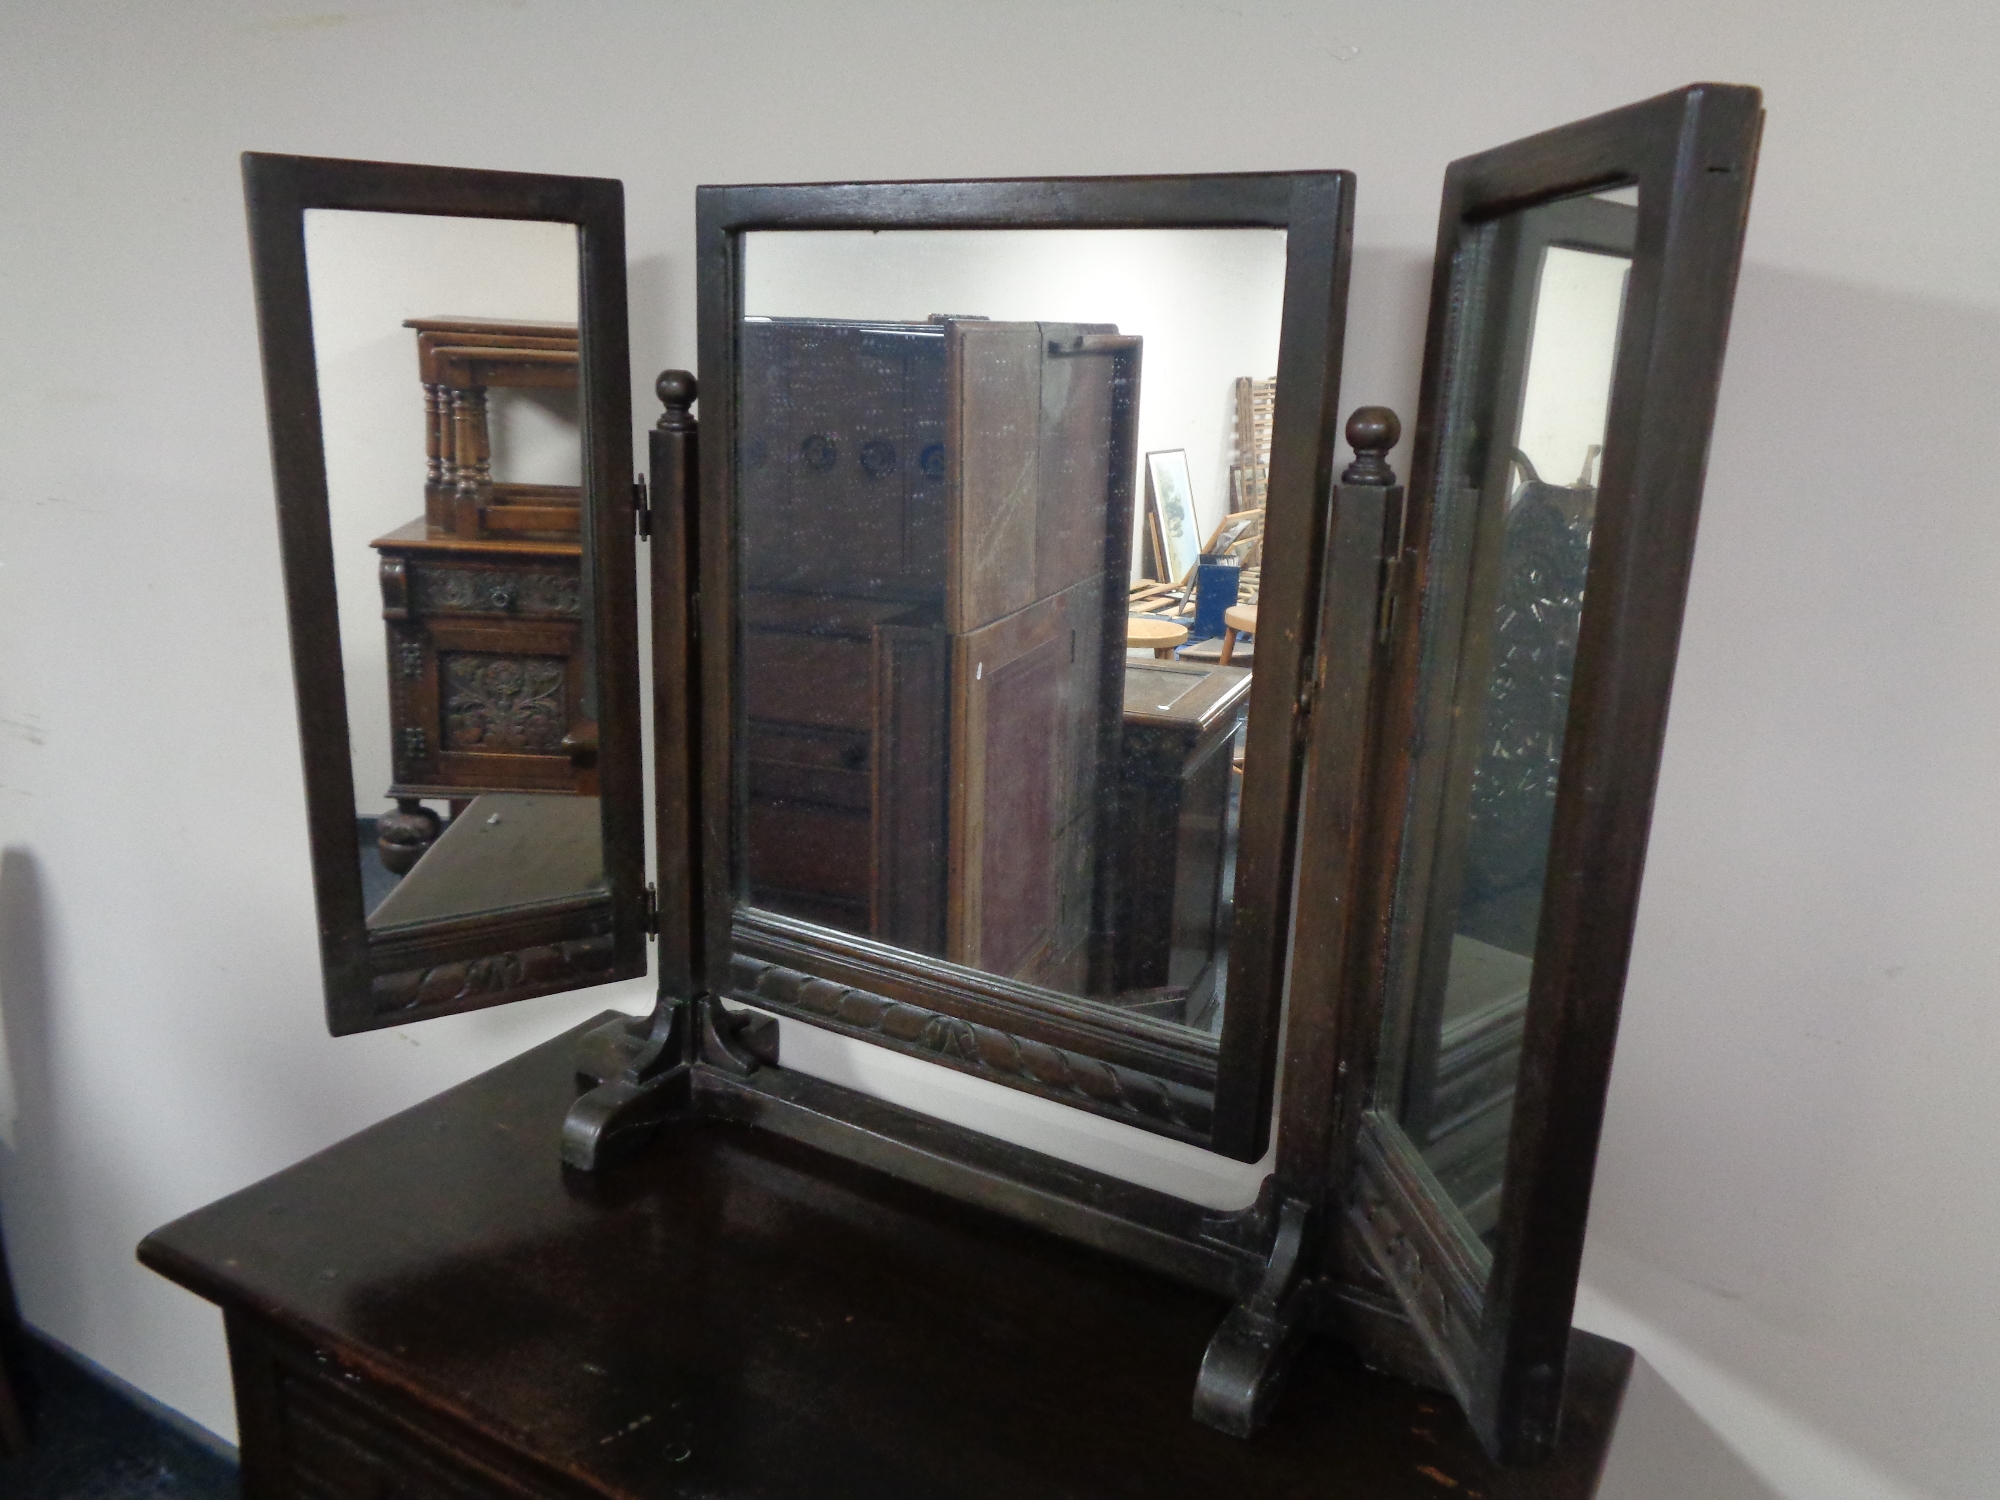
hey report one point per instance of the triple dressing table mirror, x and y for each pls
(1358, 909)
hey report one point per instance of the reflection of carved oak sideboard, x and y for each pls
(483, 596)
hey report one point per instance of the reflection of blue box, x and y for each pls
(1215, 586)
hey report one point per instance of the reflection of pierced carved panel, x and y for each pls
(509, 705)
(498, 591)
(1054, 1071)
(1544, 560)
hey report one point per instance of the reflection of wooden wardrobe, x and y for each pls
(936, 529)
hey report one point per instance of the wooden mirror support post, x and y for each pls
(1245, 1364)
(695, 1057)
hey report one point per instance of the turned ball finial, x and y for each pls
(676, 390)
(1372, 431)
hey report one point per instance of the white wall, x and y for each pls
(1794, 1216)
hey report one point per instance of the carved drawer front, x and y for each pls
(545, 591)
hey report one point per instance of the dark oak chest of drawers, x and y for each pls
(433, 1310)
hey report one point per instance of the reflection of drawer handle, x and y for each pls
(931, 461)
(503, 596)
(878, 457)
(819, 451)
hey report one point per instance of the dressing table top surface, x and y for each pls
(732, 1314)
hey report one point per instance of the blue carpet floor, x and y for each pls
(93, 1442)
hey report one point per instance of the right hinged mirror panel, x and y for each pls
(1579, 308)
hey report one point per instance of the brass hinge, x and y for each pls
(642, 509)
(649, 910)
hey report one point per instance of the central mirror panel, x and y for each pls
(982, 476)
(1518, 483)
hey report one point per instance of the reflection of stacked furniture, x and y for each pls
(483, 596)
(1238, 539)
(1250, 472)
(935, 523)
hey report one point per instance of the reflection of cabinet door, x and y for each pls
(486, 676)
(1026, 731)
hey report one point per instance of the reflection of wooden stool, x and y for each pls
(1161, 635)
(1238, 619)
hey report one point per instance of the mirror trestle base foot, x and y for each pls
(634, 1077)
(1245, 1364)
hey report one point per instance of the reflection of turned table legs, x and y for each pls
(1238, 619)
(471, 459)
(401, 837)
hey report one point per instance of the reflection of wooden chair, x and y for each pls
(1161, 635)
(1238, 619)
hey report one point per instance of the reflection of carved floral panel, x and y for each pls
(498, 591)
(512, 705)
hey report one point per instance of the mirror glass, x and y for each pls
(992, 705)
(447, 363)
(1510, 552)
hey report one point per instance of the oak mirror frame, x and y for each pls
(1214, 1091)
(1482, 1252)
(543, 663)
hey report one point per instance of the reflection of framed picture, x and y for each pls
(1170, 511)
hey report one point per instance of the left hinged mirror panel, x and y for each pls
(447, 384)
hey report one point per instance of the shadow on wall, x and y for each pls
(31, 1206)
(1663, 1450)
